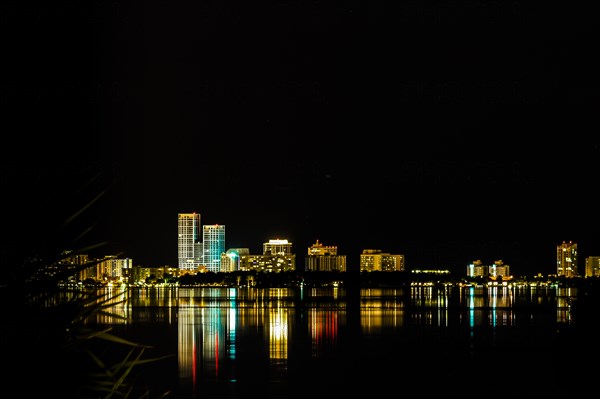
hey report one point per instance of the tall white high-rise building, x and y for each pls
(189, 244)
(213, 238)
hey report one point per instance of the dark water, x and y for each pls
(336, 342)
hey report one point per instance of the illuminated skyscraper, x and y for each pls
(213, 238)
(189, 246)
(566, 259)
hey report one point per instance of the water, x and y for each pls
(335, 342)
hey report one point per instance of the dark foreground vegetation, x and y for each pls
(49, 346)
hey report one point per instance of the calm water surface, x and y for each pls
(337, 342)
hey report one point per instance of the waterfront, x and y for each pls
(322, 342)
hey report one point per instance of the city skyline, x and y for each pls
(395, 128)
(195, 251)
(448, 132)
(354, 263)
(154, 243)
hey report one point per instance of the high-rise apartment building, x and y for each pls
(189, 244)
(213, 238)
(324, 258)
(592, 266)
(566, 259)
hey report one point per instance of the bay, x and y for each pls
(334, 342)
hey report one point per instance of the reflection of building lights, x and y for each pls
(278, 326)
(278, 331)
(278, 334)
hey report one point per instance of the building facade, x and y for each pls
(213, 239)
(498, 270)
(110, 269)
(189, 244)
(373, 260)
(592, 266)
(321, 258)
(566, 259)
(277, 247)
(231, 260)
(277, 257)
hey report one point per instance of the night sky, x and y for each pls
(447, 132)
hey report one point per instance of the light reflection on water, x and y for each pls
(237, 335)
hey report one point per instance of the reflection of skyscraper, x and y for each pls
(213, 238)
(189, 340)
(189, 246)
(566, 259)
(207, 334)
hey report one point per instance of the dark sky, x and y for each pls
(445, 131)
